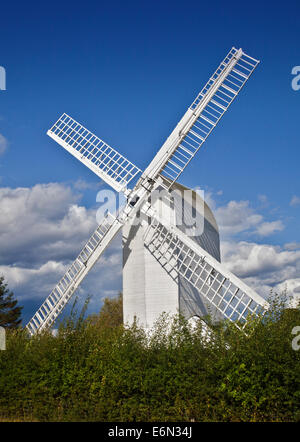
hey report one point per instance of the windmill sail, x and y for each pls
(64, 290)
(103, 160)
(178, 254)
(202, 116)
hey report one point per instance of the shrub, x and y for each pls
(112, 373)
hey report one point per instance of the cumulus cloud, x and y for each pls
(81, 184)
(42, 223)
(262, 266)
(238, 216)
(268, 228)
(251, 259)
(3, 144)
(42, 230)
(37, 282)
(292, 245)
(33, 282)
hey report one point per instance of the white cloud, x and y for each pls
(3, 144)
(292, 286)
(250, 259)
(236, 217)
(292, 245)
(37, 283)
(262, 266)
(42, 223)
(42, 230)
(81, 184)
(33, 282)
(268, 228)
(295, 201)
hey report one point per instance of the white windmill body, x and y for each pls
(167, 267)
(148, 290)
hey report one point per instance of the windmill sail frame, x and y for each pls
(102, 159)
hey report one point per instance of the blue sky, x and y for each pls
(128, 71)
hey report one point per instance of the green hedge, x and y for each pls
(89, 373)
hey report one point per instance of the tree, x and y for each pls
(111, 313)
(10, 312)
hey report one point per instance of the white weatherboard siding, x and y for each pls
(133, 274)
(161, 291)
(148, 290)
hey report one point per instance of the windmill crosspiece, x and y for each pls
(178, 255)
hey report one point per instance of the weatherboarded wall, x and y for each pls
(148, 290)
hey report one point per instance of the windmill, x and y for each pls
(183, 259)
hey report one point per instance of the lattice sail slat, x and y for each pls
(97, 155)
(179, 255)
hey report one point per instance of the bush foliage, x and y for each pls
(98, 370)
